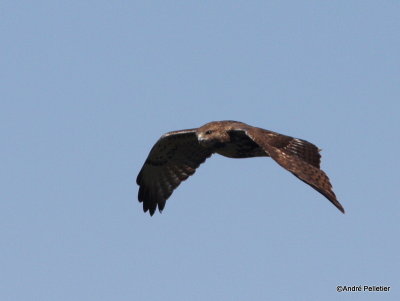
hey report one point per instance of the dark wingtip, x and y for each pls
(151, 210)
(336, 203)
(144, 196)
(341, 209)
(146, 208)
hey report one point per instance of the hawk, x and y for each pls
(177, 154)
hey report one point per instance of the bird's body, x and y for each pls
(176, 155)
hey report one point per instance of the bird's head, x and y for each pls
(212, 134)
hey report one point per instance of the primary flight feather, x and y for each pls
(176, 155)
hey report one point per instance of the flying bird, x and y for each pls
(177, 154)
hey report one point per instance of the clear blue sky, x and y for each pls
(87, 87)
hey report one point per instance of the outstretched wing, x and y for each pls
(174, 158)
(298, 156)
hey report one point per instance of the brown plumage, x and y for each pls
(176, 155)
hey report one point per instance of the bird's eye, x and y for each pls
(208, 132)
